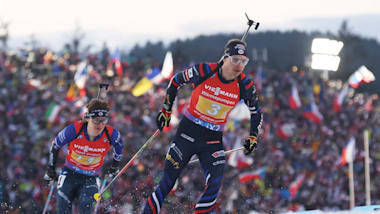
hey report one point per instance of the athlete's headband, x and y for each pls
(97, 113)
(235, 49)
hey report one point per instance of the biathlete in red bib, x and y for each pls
(217, 88)
(88, 143)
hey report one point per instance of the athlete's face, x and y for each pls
(233, 66)
(96, 125)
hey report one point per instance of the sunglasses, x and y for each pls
(99, 120)
(237, 60)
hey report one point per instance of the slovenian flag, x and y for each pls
(294, 99)
(285, 131)
(338, 100)
(249, 176)
(348, 152)
(312, 113)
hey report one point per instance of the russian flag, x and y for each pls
(360, 76)
(312, 113)
(285, 131)
(338, 100)
(348, 152)
(294, 99)
(249, 176)
(295, 185)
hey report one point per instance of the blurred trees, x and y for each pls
(285, 49)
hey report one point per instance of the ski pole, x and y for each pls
(98, 195)
(250, 23)
(226, 152)
(51, 184)
(101, 189)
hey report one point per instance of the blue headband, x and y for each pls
(235, 49)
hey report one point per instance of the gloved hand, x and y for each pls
(250, 144)
(112, 170)
(51, 174)
(163, 118)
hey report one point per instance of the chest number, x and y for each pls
(214, 109)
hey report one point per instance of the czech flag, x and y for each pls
(249, 176)
(312, 113)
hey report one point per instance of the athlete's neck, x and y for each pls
(222, 78)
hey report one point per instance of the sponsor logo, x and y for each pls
(187, 137)
(89, 149)
(219, 162)
(218, 90)
(213, 142)
(217, 154)
(176, 150)
(171, 160)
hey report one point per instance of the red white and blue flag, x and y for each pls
(249, 176)
(348, 152)
(294, 99)
(312, 113)
(295, 185)
(338, 100)
(360, 76)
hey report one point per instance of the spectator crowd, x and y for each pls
(31, 80)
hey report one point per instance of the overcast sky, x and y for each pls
(125, 22)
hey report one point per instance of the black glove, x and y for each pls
(113, 169)
(163, 118)
(51, 174)
(250, 144)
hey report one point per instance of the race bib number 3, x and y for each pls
(212, 109)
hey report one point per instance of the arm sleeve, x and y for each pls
(192, 75)
(64, 137)
(118, 146)
(251, 100)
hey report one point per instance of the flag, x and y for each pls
(71, 93)
(81, 75)
(115, 60)
(52, 112)
(338, 100)
(142, 86)
(155, 76)
(238, 159)
(360, 76)
(295, 185)
(348, 152)
(285, 131)
(257, 174)
(294, 99)
(312, 113)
